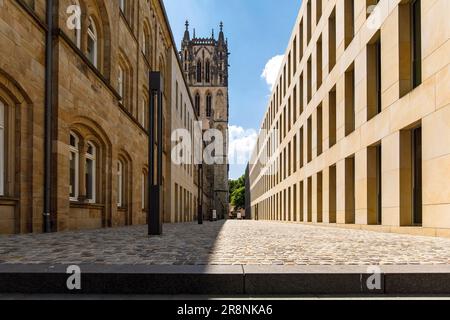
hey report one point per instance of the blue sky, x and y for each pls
(257, 31)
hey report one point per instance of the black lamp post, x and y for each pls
(154, 190)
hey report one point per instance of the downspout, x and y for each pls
(48, 118)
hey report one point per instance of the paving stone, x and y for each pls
(226, 243)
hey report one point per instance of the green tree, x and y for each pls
(237, 192)
(238, 197)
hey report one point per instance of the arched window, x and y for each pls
(120, 189)
(2, 149)
(90, 168)
(199, 71)
(142, 117)
(120, 82)
(208, 105)
(197, 104)
(92, 43)
(146, 42)
(74, 158)
(207, 72)
(75, 11)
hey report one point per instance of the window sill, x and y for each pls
(5, 200)
(86, 205)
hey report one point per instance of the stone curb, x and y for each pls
(226, 280)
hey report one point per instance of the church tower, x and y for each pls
(205, 64)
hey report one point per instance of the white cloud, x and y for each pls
(271, 70)
(241, 144)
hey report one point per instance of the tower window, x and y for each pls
(208, 105)
(197, 104)
(207, 72)
(199, 71)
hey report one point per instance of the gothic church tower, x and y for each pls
(205, 64)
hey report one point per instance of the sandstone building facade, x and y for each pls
(100, 98)
(358, 124)
(205, 64)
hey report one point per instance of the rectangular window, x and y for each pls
(319, 130)
(289, 159)
(374, 187)
(295, 114)
(332, 40)
(309, 85)
(319, 63)
(350, 190)
(294, 59)
(309, 22)
(289, 211)
(289, 115)
(374, 77)
(379, 184)
(294, 196)
(301, 197)
(309, 199)
(295, 153)
(410, 46)
(318, 11)
(289, 70)
(332, 117)
(301, 98)
(332, 195)
(319, 197)
(417, 175)
(416, 40)
(309, 142)
(349, 100)
(301, 41)
(302, 142)
(349, 21)
(411, 177)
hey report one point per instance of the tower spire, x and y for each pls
(187, 36)
(221, 36)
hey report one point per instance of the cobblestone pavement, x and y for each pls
(225, 243)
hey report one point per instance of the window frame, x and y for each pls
(74, 149)
(92, 34)
(91, 157)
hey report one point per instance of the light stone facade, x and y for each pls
(100, 119)
(362, 109)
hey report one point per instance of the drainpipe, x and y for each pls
(48, 118)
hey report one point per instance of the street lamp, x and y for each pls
(154, 182)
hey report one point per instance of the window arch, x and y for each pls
(197, 104)
(92, 42)
(199, 71)
(208, 105)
